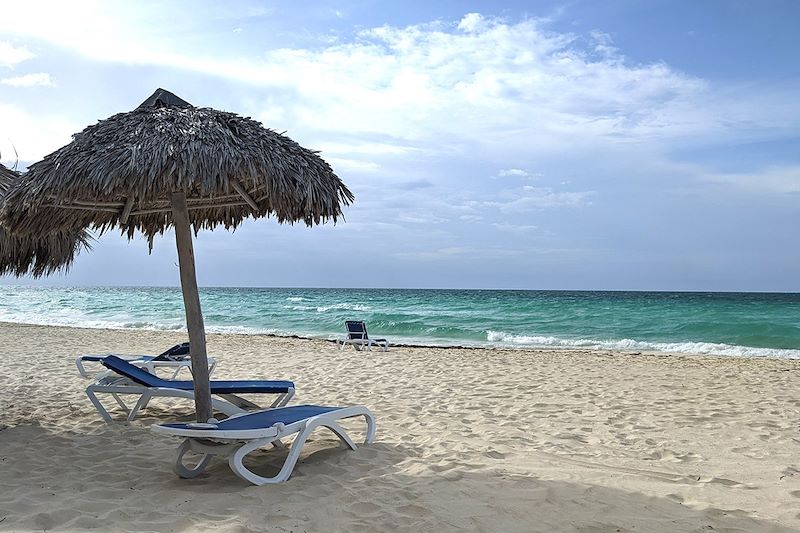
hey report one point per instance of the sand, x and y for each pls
(473, 440)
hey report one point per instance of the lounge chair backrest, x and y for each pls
(178, 352)
(139, 375)
(356, 329)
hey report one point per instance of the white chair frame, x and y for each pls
(360, 344)
(237, 444)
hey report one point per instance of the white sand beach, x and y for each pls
(473, 440)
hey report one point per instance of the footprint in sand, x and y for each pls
(364, 508)
(495, 454)
(572, 436)
(414, 511)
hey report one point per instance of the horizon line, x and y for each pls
(507, 289)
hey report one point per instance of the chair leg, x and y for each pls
(97, 405)
(144, 399)
(121, 403)
(371, 428)
(235, 461)
(147, 401)
(283, 399)
(182, 470)
(236, 458)
(341, 433)
(240, 402)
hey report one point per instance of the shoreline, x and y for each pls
(591, 350)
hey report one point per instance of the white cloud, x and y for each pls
(39, 79)
(603, 44)
(472, 22)
(420, 216)
(508, 83)
(11, 55)
(365, 148)
(31, 135)
(350, 165)
(440, 253)
(448, 88)
(517, 229)
(509, 87)
(459, 253)
(512, 172)
(535, 198)
(774, 179)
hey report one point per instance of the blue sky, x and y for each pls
(543, 145)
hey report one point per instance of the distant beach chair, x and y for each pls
(240, 435)
(174, 359)
(130, 379)
(358, 338)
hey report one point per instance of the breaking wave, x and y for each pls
(501, 339)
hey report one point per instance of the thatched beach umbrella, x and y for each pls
(37, 256)
(168, 163)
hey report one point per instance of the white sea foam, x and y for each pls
(81, 321)
(295, 299)
(326, 308)
(73, 318)
(247, 330)
(342, 306)
(499, 338)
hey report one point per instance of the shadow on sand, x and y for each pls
(118, 476)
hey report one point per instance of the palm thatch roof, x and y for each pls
(20, 255)
(121, 172)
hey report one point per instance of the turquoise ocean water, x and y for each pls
(744, 324)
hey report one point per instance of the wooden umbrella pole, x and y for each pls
(191, 301)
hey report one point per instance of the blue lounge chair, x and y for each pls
(175, 359)
(242, 434)
(357, 336)
(135, 380)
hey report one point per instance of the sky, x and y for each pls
(620, 145)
